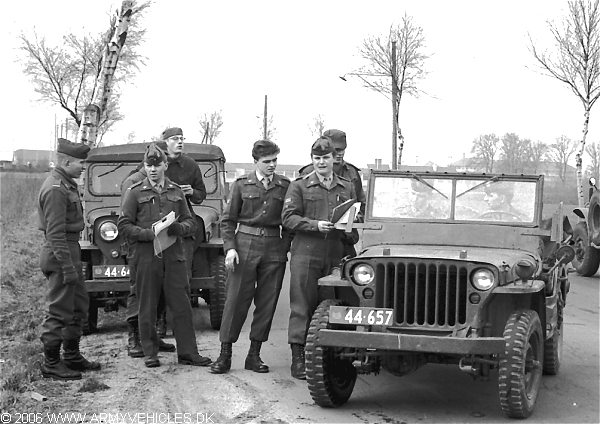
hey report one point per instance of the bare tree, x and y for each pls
(576, 63)
(593, 168)
(317, 126)
(560, 152)
(271, 130)
(68, 74)
(485, 147)
(210, 126)
(131, 137)
(537, 153)
(514, 153)
(409, 67)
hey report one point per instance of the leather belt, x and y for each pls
(259, 231)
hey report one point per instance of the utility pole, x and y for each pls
(394, 109)
(265, 120)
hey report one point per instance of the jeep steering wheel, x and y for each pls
(499, 215)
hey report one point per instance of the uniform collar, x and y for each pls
(68, 180)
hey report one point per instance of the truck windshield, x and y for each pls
(106, 178)
(469, 199)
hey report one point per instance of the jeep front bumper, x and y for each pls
(412, 342)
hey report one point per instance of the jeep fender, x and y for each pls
(581, 212)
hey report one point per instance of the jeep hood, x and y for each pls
(492, 256)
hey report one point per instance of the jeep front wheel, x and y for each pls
(330, 376)
(553, 346)
(217, 294)
(520, 370)
(587, 258)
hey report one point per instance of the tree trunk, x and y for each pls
(88, 130)
(579, 158)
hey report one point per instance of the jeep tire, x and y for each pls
(330, 378)
(587, 258)
(520, 369)
(218, 293)
(553, 346)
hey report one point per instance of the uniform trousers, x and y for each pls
(258, 277)
(312, 257)
(67, 304)
(169, 274)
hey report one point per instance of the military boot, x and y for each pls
(54, 368)
(298, 365)
(223, 363)
(134, 346)
(253, 361)
(73, 358)
(161, 325)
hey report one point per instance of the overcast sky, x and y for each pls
(226, 55)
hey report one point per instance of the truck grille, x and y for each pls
(424, 294)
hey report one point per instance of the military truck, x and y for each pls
(447, 275)
(586, 234)
(104, 250)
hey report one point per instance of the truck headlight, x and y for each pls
(482, 279)
(108, 231)
(363, 274)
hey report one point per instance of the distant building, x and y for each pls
(33, 158)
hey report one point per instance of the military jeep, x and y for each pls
(104, 250)
(446, 276)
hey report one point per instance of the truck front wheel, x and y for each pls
(330, 376)
(520, 370)
(587, 258)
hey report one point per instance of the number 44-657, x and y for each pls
(373, 317)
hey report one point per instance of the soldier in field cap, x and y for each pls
(348, 171)
(61, 220)
(316, 246)
(145, 203)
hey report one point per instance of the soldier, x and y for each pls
(348, 171)
(499, 196)
(316, 246)
(61, 219)
(145, 203)
(256, 255)
(420, 203)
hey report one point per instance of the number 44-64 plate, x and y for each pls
(360, 316)
(111, 271)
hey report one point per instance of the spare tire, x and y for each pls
(587, 258)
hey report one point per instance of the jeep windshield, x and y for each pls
(495, 199)
(105, 178)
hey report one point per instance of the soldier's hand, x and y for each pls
(325, 226)
(175, 229)
(187, 189)
(71, 277)
(231, 259)
(146, 235)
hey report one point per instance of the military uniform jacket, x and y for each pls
(60, 214)
(308, 201)
(185, 170)
(143, 206)
(251, 204)
(348, 171)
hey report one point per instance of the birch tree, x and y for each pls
(575, 61)
(377, 74)
(72, 74)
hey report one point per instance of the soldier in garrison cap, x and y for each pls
(256, 254)
(346, 170)
(145, 203)
(316, 246)
(61, 220)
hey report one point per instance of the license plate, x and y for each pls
(111, 271)
(360, 316)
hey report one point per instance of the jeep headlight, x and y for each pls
(482, 279)
(108, 231)
(363, 274)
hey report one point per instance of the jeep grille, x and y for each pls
(424, 294)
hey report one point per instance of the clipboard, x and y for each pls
(162, 240)
(349, 216)
(339, 211)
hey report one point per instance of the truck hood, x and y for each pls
(492, 256)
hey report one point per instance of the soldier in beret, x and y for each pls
(316, 246)
(348, 171)
(146, 202)
(61, 219)
(256, 250)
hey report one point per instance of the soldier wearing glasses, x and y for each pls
(256, 255)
